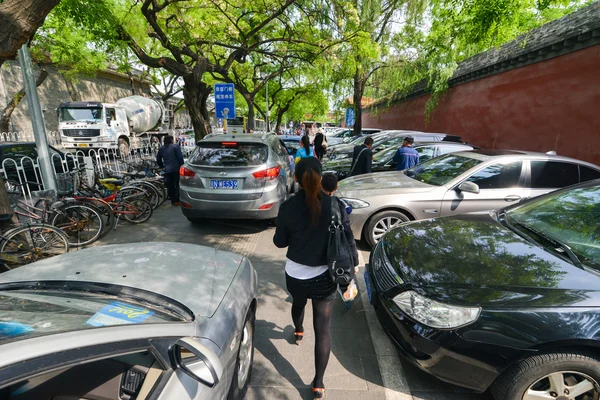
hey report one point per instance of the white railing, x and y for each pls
(26, 136)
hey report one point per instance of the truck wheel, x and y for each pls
(124, 146)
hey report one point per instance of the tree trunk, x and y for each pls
(72, 89)
(193, 92)
(16, 99)
(192, 95)
(204, 107)
(359, 89)
(19, 20)
(251, 113)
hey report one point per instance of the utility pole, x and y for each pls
(37, 119)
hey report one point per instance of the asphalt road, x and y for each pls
(363, 363)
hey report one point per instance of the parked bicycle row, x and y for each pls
(88, 205)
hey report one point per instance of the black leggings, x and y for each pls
(322, 311)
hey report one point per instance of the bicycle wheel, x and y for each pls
(33, 242)
(153, 193)
(137, 210)
(160, 189)
(107, 213)
(82, 223)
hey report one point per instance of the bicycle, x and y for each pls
(81, 223)
(31, 242)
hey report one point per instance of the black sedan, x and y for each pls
(507, 300)
(384, 160)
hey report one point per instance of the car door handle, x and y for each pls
(512, 197)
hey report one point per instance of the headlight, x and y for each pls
(356, 203)
(433, 313)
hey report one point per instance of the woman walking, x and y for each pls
(303, 227)
(305, 149)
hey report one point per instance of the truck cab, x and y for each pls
(89, 125)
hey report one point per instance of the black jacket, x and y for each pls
(364, 162)
(307, 244)
(319, 139)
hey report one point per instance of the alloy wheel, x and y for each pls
(245, 354)
(384, 225)
(564, 385)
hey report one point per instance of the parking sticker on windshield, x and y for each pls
(13, 328)
(118, 313)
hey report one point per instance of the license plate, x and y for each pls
(224, 184)
(9, 257)
(368, 285)
(82, 144)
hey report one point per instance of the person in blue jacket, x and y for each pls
(406, 157)
(305, 150)
(169, 158)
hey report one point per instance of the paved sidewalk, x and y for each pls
(357, 369)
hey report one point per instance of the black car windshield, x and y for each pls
(229, 154)
(31, 313)
(442, 170)
(570, 217)
(384, 155)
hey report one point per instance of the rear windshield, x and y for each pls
(229, 154)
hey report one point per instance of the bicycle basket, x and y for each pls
(65, 183)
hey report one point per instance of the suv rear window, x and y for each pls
(229, 154)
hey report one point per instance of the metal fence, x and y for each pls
(97, 162)
(53, 137)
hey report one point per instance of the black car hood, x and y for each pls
(472, 259)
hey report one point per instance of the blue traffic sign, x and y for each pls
(225, 100)
(350, 116)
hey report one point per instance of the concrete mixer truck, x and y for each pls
(131, 121)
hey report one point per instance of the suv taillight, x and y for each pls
(186, 173)
(268, 174)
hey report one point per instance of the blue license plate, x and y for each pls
(369, 290)
(223, 184)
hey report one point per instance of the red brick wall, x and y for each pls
(551, 105)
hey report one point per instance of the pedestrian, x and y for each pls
(170, 159)
(305, 149)
(320, 144)
(362, 158)
(303, 227)
(406, 157)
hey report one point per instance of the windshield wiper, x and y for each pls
(559, 246)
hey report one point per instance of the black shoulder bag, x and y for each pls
(339, 253)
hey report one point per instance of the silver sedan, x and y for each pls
(456, 183)
(137, 321)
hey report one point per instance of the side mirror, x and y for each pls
(108, 121)
(197, 361)
(469, 187)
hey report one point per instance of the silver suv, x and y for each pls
(456, 183)
(244, 176)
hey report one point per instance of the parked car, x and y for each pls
(236, 176)
(292, 143)
(13, 155)
(170, 320)
(456, 183)
(383, 161)
(506, 300)
(344, 136)
(387, 139)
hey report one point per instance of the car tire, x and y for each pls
(245, 356)
(378, 223)
(536, 374)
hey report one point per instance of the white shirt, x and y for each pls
(303, 272)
